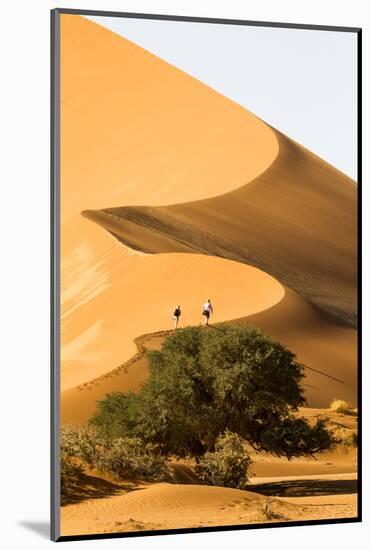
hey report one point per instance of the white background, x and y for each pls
(24, 272)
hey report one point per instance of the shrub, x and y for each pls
(345, 437)
(129, 458)
(69, 477)
(340, 406)
(81, 443)
(203, 382)
(228, 465)
(73, 444)
(123, 457)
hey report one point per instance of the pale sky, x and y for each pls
(302, 82)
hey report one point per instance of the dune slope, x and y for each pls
(328, 351)
(110, 297)
(136, 129)
(294, 218)
(174, 506)
(296, 221)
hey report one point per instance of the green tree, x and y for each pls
(205, 381)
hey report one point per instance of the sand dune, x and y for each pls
(110, 298)
(135, 129)
(296, 221)
(328, 350)
(119, 114)
(78, 404)
(271, 229)
(172, 506)
(165, 506)
(279, 490)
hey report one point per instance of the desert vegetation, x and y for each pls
(124, 458)
(340, 406)
(211, 394)
(203, 382)
(215, 396)
(227, 465)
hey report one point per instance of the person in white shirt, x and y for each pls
(207, 310)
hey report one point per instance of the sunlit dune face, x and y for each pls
(136, 130)
(110, 298)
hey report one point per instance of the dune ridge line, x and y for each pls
(296, 222)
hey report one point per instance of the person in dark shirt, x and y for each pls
(177, 313)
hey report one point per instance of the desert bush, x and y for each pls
(228, 465)
(130, 458)
(123, 457)
(345, 437)
(73, 444)
(81, 442)
(69, 478)
(340, 406)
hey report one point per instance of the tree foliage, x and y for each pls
(205, 381)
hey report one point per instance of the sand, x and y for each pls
(188, 196)
(110, 298)
(122, 108)
(174, 506)
(278, 490)
(296, 221)
(328, 351)
(112, 120)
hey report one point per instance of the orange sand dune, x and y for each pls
(328, 350)
(296, 221)
(279, 490)
(165, 506)
(135, 129)
(109, 298)
(127, 137)
(172, 506)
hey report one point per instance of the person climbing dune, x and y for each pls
(177, 313)
(207, 310)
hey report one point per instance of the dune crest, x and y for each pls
(296, 221)
(254, 221)
(136, 129)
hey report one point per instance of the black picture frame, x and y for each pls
(55, 267)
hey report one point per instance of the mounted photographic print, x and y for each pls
(205, 282)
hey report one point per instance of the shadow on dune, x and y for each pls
(87, 487)
(307, 488)
(183, 475)
(296, 221)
